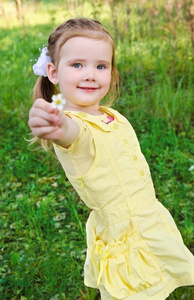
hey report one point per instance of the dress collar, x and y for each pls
(96, 119)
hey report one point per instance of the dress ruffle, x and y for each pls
(124, 267)
(141, 260)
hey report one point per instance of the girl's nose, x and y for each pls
(89, 75)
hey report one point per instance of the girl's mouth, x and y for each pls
(87, 88)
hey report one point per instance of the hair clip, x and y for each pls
(39, 67)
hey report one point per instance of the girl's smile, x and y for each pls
(87, 89)
(83, 72)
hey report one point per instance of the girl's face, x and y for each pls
(83, 72)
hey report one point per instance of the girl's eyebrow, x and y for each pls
(75, 59)
(106, 62)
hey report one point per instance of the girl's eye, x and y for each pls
(77, 65)
(101, 67)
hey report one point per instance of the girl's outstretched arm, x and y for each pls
(47, 123)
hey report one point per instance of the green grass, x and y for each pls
(42, 221)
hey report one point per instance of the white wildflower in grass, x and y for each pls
(57, 224)
(59, 217)
(58, 297)
(191, 168)
(58, 101)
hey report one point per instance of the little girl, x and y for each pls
(135, 251)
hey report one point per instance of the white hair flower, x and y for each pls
(39, 67)
(58, 101)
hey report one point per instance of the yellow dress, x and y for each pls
(134, 249)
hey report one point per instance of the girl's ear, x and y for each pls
(52, 73)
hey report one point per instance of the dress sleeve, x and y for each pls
(78, 158)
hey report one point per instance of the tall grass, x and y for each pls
(42, 221)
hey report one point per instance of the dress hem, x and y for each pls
(187, 280)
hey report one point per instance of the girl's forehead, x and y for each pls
(80, 44)
(84, 40)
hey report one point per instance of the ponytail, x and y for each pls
(45, 89)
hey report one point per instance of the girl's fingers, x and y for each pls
(42, 132)
(44, 105)
(48, 133)
(41, 103)
(38, 117)
(43, 110)
(36, 122)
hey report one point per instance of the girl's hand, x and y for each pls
(48, 123)
(43, 120)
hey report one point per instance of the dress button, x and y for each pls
(125, 141)
(142, 172)
(115, 126)
(82, 114)
(135, 157)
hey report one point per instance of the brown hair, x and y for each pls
(72, 28)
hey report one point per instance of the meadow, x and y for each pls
(42, 220)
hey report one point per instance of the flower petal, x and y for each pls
(54, 105)
(60, 106)
(54, 98)
(63, 101)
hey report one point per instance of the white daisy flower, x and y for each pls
(58, 101)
